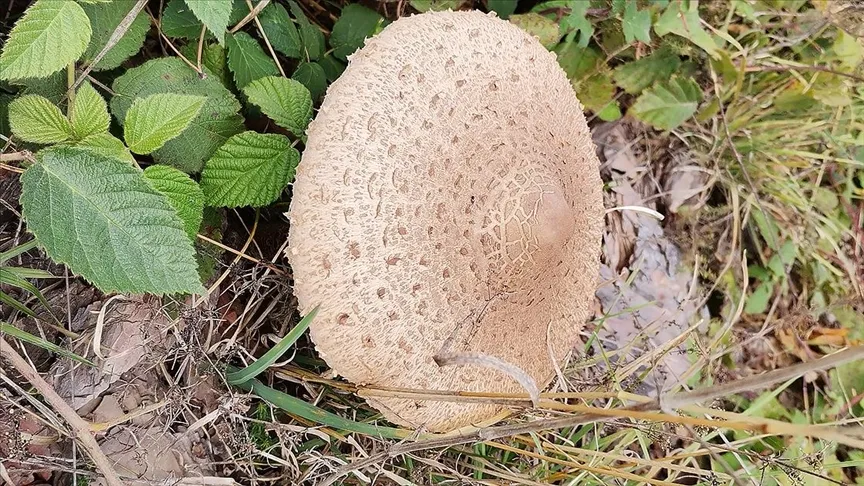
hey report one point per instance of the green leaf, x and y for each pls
(576, 22)
(546, 30)
(216, 15)
(635, 76)
(332, 67)
(247, 59)
(35, 119)
(270, 357)
(280, 30)
(89, 112)
(355, 24)
(104, 19)
(251, 169)
(154, 120)
(578, 62)
(312, 75)
(436, 5)
(182, 193)
(50, 35)
(107, 145)
(98, 216)
(504, 8)
(286, 101)
(758, 300)
(848, 50)
(682, 20)
(213, 57)
(54, 87)
(179, 22)
(596, 92)
(636, 23)
(310, 35)
(217, 120)
(666, 106)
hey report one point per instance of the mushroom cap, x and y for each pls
(448, 200)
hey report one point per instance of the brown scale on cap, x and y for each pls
(448, 200)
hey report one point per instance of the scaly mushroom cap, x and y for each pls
(449, 193)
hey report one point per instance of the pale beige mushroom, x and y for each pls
(448, 202)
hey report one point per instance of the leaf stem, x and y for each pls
(70, 82)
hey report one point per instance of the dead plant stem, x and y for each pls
(77, 424)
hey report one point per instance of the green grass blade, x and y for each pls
(25, 336)
(273, 354)
(8, 300)
(10, 278)
(22, 248)
(29, 272)
(301, 408)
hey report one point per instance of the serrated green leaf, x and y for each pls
(596, 92)
(53, 87)
(636, 23)
(89, 112)
(286, 101)
(758, 300)
(215, 14)
(544, 29)
(577, 23)
(683, 20)
(436, 5)
(179, 22)
(577, 61)
(848, 50)
(247, 59)
(154, 120)
(213, 57)
(50, 35)
(182, 192)
(666, 106)
(312, 75)
(333, 68)
(35, 119)
(281, 31)
(635, 76)
(251, 169)
(98, 216)
(503, 8)
(217, 121)
(350, 31)
(104, 19)
(310, 35)
(108, 145)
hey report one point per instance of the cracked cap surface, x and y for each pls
(449, 192)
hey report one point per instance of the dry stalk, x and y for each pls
(76, 423)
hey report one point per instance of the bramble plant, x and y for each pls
(85, 195)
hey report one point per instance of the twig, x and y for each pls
(264, 35)
(252, 259)
(201, 46)
(118, 34)
(16, 156)
(253, 14)
(675, 401)
(77, 424)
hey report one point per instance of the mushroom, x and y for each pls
(448, 204)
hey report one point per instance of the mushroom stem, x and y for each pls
(479, 359)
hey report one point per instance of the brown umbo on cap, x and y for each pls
(448, 201)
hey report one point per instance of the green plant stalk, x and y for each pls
(70, 82)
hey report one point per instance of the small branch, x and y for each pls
(264, 35)
(70, 83)
(78, 425)
(16, 156)
(253, 14)
(201, 47)
(118, 34)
